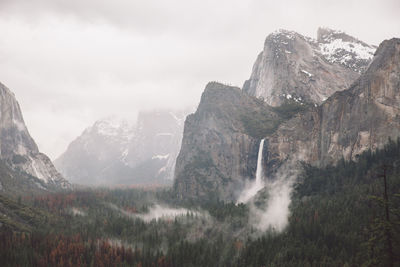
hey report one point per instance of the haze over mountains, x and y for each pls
(291, 98)
(113, 151)
(291, 67)
(279, 172)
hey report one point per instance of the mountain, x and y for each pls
(360, 118)
(295, 66)
(221, 139)
(112, 151)
(19, 152)
(339, 47)
(157, 140)
(98, 147)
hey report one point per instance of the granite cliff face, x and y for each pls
(349, 122)
(220, 142)
(295, 66)
(17, 148)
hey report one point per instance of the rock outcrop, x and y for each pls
(350, 122)
(220, 143)
(17, 148)
(308, 70)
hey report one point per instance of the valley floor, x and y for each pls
(337, 218)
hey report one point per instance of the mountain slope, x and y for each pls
(294, 66)
(339, 47)
(17, 183)
(97, 148)
(18, 149)
(349, 122)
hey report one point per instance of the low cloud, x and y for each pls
(273, 212)
(158, 212)
(77, 212)
(78, 61)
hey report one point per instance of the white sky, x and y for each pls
(71, 62)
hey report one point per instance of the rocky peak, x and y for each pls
(293, 64)
(341, 48)
(220, 143)
(18, 149)
(14, 136)
(113, 151)
(327, 35)
(381, 81)
(114, 129)
(97, 149)
(386, 56)
(281, 37)
(111, 126)
(350, 122)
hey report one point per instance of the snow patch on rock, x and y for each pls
(307, 73)
(160, 156)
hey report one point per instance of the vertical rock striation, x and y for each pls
(18, 149)
(350, 122)
(220, 143)
(219, 147)
(295, 66)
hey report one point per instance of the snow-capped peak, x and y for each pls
(338, 47)
(284, 33)
(111, 126)
(334, 46)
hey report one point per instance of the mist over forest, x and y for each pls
(186, 133)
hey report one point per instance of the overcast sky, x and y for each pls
(71, 62)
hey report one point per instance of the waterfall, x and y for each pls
(260, 170)
(250, 191)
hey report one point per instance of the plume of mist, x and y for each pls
(274, 214)
(250, 190)
(157, 212)
(77, 212)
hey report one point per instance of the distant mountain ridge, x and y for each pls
(19, 151)
(113, 151)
